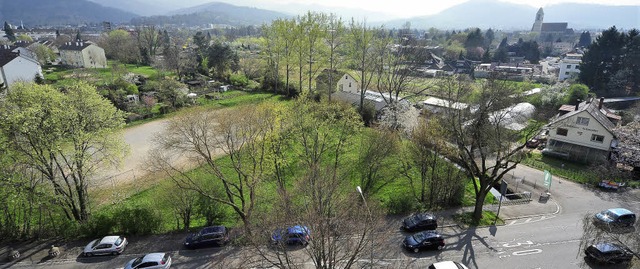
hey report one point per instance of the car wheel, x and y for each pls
(416, 250)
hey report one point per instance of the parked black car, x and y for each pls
(207, 237)
(420, 222)
(608, 253)
(423, 240)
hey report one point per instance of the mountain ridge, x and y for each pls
(59, 12)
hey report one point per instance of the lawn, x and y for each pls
(576, 172)
(62, 75)
(488, 219)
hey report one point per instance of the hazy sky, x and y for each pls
(408, 8)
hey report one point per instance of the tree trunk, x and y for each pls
(477, 211)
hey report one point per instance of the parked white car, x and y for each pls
(113, 245)
(150, 261)
(448, 265)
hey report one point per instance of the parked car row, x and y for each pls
(207, 237)
(115, 245)
(425, 237)
(616, 220)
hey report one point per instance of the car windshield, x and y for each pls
(119, 241)
(95, 243)
(137, 262)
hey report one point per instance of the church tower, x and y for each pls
(537, 25)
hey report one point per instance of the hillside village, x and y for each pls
(317, 132)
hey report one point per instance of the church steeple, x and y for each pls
(537, 25)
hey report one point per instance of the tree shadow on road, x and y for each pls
(465, 244)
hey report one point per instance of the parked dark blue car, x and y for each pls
(208, 237)
(292, 235)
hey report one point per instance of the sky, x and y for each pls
(410, 8)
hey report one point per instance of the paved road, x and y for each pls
(543, 241)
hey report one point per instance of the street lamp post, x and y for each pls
(370, 223)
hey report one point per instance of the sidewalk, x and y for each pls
(516, 184)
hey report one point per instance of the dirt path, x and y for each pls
(140, 141)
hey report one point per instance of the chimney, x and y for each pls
(589, 98)
(601, 102)
(578, 104)
(77, 44)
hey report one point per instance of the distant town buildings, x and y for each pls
(546, 28)
(569, 66)
(83, 55)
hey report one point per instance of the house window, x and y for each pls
(562, 131)
(568, 66)
(597, 138)
(576, 67)
(582, 121)
(349, 84)
(566, 73)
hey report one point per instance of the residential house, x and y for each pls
(347, 89)
(82, 55)
(583, 132)
(15, 67)
(570, 66)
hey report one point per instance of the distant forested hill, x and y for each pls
(214, 13)
(56, 12)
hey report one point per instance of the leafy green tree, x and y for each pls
(577, 92)
(67, 136)
(43, 53)
(602, 60)
(222, 59)
(585, 40)
(8, 31)
(474, 39)
(119, 45)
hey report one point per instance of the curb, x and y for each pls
(558, 207)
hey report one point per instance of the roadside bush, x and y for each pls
(139, 220)
(99, 225)
(400, 204)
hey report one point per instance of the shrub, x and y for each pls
(238, 80)
(99, 225)
(400, 204)
(139, 220)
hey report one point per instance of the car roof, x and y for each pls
(153, 257)
(607, 247)
(620, 211)
(109, 239)
(447, 265)
(426, 216)
(298, 229)
(213, 229)
(430, 233)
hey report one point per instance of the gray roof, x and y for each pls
(76, 45)
(7, 56)
(354, 99)
(592, 109)
(554, 27)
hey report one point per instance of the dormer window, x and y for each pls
(582, 121)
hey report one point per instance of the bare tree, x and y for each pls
(481, 144)
(202, 136)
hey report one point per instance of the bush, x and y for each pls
(99, 225)
(401, 204)
(139, 220)
(238, 80)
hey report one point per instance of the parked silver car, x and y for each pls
(150, 261)
(107, 245)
